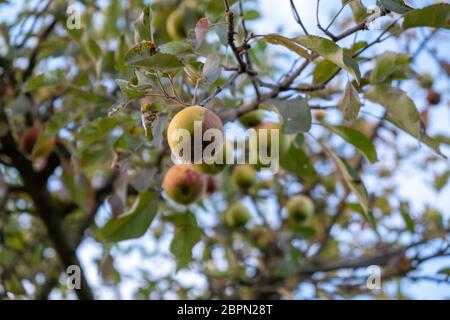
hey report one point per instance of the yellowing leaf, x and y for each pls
(402, 112)
(351, 178)
(290, 44)
(387, 64)
(399, 106)
(350, 103)
(332, 52)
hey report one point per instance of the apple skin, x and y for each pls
(283, 142)
(300, 208)
(217, 166)
(237, 215)
(185, 119)
(252, 119)
(184, 184)
(244, 176)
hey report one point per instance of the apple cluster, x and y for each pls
(187, 181)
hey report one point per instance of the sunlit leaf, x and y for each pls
(323, 71)
(290, 44)
(402, 112)
(387, 64)
(399, 106)
(358, 140)
(332, 52)
(350, 103)
(437, 15)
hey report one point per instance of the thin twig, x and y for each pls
(218, 90)
(335, 17)
(297, 17)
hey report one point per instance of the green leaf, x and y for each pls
(211, 68)
(159, 61)
(251, 14)
(402, 112)
(297, 161)
(388, 64)
(350, 103)
(113, 13)
(149, 114)
(409, 222)
(360, 12)
(101, 128)
(120, 54)
(445, 271)
(175, 47)
(145, 80)
(129, 91)
(437, 15)
(187, 234)
(93, 49)
(78, 186)
(296, 114)
(134, 223)
(57, 121)
(332, 52)
(441, 180)
(351, 179)
(399, 106)
(143, 26)
(323, 71)
(397, 6)
(357, 139)
(215, 9)
(289, 264)
(51, 78)
(290, 44)
(432, 143)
